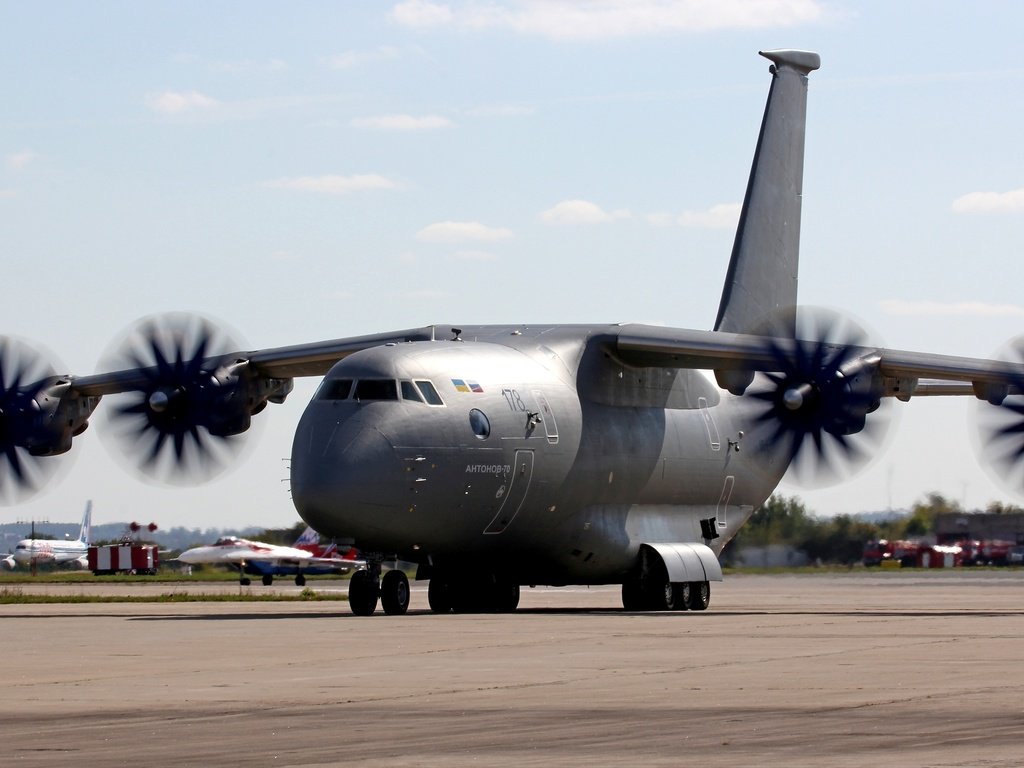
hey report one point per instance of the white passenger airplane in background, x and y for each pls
(268, 560)
(35, 551)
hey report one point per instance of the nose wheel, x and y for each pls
(366, 587)
(394, 593)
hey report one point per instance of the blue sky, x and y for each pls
(308, 170)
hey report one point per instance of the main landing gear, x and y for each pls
(649, 589)
(366, 587)
(669, 596)
(488, 593)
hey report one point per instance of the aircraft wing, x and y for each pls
(903, 373)
(313, 359)
(236, 558)
(240, 557)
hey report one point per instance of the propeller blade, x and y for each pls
(161, 429)
(23, 372)
(813, 406)
(1000, 428)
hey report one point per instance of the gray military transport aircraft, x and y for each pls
(501, 456)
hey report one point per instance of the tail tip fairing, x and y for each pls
(804, 62)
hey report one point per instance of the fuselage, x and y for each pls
(231, 549)
(50, 551)
(532, 448)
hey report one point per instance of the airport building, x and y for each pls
(958, 526)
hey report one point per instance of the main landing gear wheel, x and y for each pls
(394, 593)
(363, 593)
(268, 579)
(438, 596)
(699, 597)
(484, 593)
(665, 596)
(300, 580)
(681, 596)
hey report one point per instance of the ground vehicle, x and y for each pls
(109, 559)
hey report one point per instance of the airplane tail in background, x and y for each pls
(308, 537)
(761, 284)
(85, 535)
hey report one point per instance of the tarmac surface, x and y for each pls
(909, 669)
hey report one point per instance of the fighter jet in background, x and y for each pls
(500, 456)
(254, 558)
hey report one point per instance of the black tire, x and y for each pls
(244, 581)
(394, 593)
(506, 597)
(268, 579)
(467, 597)
(633, 596)
(700, 596)
(363, 592)
(438, 595)
(300, 580)
(681, 592)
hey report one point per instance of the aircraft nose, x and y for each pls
(345, 480)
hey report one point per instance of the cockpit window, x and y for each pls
(335, 389)
(376, 389)
(409, 392)
(429, 393)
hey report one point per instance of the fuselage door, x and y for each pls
(709, 424)
(514, 493)
(723, 500)
(547, 416)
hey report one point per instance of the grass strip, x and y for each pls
(17, 597)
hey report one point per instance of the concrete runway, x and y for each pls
(911, 669)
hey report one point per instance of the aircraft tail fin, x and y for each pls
(308, 537)
(85, 535)
(761, 283)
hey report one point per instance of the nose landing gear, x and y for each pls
(366, 587)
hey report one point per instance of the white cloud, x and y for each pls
(605, 19)
(335, 185)
(721, 216)
(422, 14)
(461, 231)
(950, 309)
(402, 123)
(7, 193)
(990, 202)
(20, 160)
(350, 59)
(178, 102)
(581, 212)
